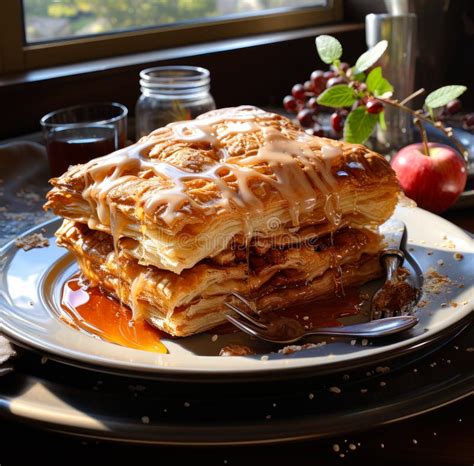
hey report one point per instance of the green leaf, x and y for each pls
(329, 48)
(339, 95)
(359, 125)
(367, 59)
(382, 122)
(358, 76)
(444, 95)
(377, 84)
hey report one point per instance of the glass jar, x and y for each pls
(171, 93)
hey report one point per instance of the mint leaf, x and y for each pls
(359, 125)
(382, 122)
(377, 84)
(443, 95)
(367, 59)
(339, 95)
(329, 48)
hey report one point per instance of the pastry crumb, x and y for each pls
(290, 349)
(235, 350)
(382, 369)
(35, 240)
(435, 283)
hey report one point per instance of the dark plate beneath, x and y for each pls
(84, 403)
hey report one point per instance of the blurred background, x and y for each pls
(57, 53)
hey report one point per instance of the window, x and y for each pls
(51, 19)
(39, 33)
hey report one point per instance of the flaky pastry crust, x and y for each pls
(188, 190)
(192, 302)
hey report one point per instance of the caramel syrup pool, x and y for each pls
(95, 312)
(91, 310)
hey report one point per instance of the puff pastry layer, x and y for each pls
(194, 189)
(192, 302)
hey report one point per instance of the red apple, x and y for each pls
(433, 181)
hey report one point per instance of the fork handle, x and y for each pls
(371, 329)
(391, 259)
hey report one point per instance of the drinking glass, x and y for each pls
(398, 64)
(78, 134)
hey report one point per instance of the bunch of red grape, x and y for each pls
(303, 100)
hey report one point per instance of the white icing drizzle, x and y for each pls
(195, 132)
(138, 285)
(330, 152)
(298, 172)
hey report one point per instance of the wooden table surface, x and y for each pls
(441, 437)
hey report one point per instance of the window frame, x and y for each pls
(15, 55)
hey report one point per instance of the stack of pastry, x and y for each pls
(237, 200)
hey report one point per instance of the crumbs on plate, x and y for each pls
(435, 283)
(35, 240)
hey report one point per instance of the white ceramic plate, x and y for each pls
(30, 286)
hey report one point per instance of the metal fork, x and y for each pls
(396, 296)
(283, 330)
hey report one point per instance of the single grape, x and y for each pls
(337, 122)
(329, 74)
(358, 86)
(454, 106)
(308, 86)
(318, 130)
(298, 91)
(374, 106)
(305, 117)
(319, 81)
(344, 66)
(317, 75)
(333, 81)
(468, 121)
(313, 104)
(290, 103)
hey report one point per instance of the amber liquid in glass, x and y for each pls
(71, 146)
